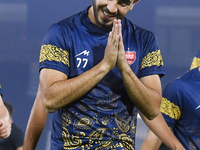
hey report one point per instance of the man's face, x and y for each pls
(105, 11)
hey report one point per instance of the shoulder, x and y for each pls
(175, 85)
(139, 31)
(178, 85)
(143, 32)
(60, 32)
(66, 25)
(72, 21)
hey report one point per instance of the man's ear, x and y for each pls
(135, 1)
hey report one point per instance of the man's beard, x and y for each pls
(102, 24)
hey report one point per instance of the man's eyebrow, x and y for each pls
(126, 1)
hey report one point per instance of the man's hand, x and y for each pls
(111, 51)
(5, 128)
(121, 57)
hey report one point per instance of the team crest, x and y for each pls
(130, 57)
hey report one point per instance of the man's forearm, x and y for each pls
(36, 124)
(33, 133)
(160, 132)
(64, 92)
(145, 95)
(152, 142)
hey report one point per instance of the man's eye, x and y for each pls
(124, 3)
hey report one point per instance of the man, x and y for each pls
(15, 140)
(5, 126)
(96, 70)
(181, 110)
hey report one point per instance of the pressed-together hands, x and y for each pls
(144, 92)
(114, 52)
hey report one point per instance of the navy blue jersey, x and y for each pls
(181, 108)
(196, 61)
(104, 118)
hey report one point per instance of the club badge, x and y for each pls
(130, 57)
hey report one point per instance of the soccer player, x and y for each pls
(96, 70)
(181, 110)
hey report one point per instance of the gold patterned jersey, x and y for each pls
(104, 118)
(181, 108)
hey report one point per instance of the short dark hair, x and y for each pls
(9, 107)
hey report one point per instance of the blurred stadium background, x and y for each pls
(23, 24)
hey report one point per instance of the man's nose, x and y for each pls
(112, 6)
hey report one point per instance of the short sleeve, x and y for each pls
(171, 105)
(54, 51)
(152, 61)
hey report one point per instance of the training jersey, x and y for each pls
(196, 61)
(181, 108)
(104, 118)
